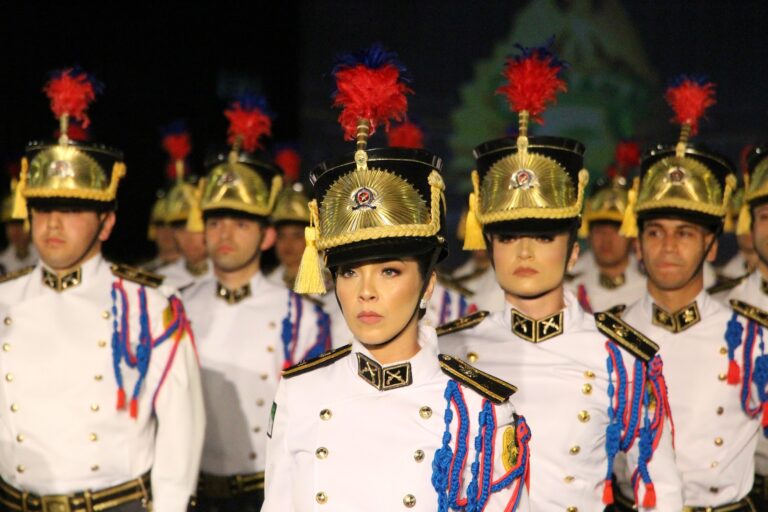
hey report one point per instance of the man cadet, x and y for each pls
(248, 329)
(613, 277)
(753, 223)
(193, 263)
(80, 335)
(585, 398)
(681, 198)
(20, 252)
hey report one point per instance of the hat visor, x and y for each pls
(382, 249)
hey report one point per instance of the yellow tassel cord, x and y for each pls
(584, 228)
(473, 231)
(151, 232)
(19, 202)
(309, 279)
(744, 224)
(730, 185)
(629, 224)
(728, 223)
(195, 219)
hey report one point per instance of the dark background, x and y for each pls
(162, 61)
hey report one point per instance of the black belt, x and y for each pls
(624, 504)
(760, 488)
(222, 487)
(86, 501)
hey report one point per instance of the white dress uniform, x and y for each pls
(351, 435)
(60, 431)
(714, 438)
(178, 276)
(736, 267)
(559, 364)
(601, 292)
(245, 338)
(11, 262)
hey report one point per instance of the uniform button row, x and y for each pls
(20, 468)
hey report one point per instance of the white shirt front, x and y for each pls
(714, 439)
(339, 443)
(60, 431)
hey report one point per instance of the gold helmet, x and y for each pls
(755, 187)
(684, 180)
(292, 205)
(242, 180)
(68, 172)
(527, 183)
(157, 215)
(374, 203)
(180, 196)
(608, 201)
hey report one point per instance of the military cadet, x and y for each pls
(746, 259)
(161, 233)
(681, 198)
(476, 275)
(363, 427)
(753, 223)
(582, 376)
(613, 277)
(100, 380)
(20, 252)
(248, 329)
(193, 264)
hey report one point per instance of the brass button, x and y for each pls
(270, 348)
(321, 498)
(105, 315)
(714, 490)
(584, 416)
(95, 407)
(252, 456)
(418, 455)
(714, 464)
(95, 467)
(325, 414)
(575, 449)
(718, 441)
(14, 407)
(409, 501)
(589, 374)
(20, 438)
(6, 347)
(257, 429)
(272, 325)
(98, 378)
(102, 343)
(20, 468)
(586, 389)
(321, 453)
(723, 350)
(721, 376)
(9, 377)
(7, 320)
(425, 412)
(471, 357)
(572, 509)
(264, 376)
(720, 411)
(569, 479)
(93, 437)
(260, 402)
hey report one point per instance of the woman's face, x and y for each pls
(379, 299)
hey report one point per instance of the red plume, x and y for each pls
(71, 92)
(406, 135)
(249, 123)
(371, 86)
(627, 155)
(178, 145)
(690, 97)
(534, 79)
(289, 160)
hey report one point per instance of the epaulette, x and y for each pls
(10, 276)
(749, 311)
(626, 336)
(452, 284)
(726, 283)
(462, 323)
(617, 310)
(323, 359)
(137, 275)
(495, 390)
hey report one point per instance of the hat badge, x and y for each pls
(363, 198)
(523, 179)
(676, 175)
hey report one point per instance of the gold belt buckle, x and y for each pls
(55, 504)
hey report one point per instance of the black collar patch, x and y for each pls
(383, 378)
(233, 296)
(611, 283)
(537, 331)
(678, 321)
(64, 282)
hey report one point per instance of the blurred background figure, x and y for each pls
(20, 252)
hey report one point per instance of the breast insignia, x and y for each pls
(462, 323)
(323, 359)
(626, 336)
(137, 275)
(492, 388)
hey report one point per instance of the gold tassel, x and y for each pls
(744, 224)
(730, 185)
(151, 232)
(728, 223)
(19, 201)
(629, 223)
(195, 219)
(309, 279)
(473, 231)
(584, 228)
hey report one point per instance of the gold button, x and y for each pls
(105, 315)
(6, 347)
(723, 350)
(321, 498)
(20, 438)
(93, 437)
(98, 377)
(14, 407)
(272, 325)
(471, 357)
(575, 449)
(9, 377)
(257, 429)
(95, 467)
(586, 389)
(721, 376)
(20, 468)
(325, 414)
(264, 376)
(95, 407)
(321, 453)
(569, 479)
(714, 464)
(720, 411)
(260, 402)
(270, 348)
(252, 456)
(589, 374)
(425, 412)
(102, 343)
(584, 416)
(714, 490)
(572, 509)
(718, 441)
(409, 501)
(7, 320)
(418, 455)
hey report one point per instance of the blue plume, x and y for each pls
(374, 57)
(543, 52)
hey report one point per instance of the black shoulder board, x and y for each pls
(462, 323)
(626, 335)
(726, 283)
(16, 273)
(495, 390)
(617, 310)
(137, 275)
(748, 310)
(452, 284)
(323, 359)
